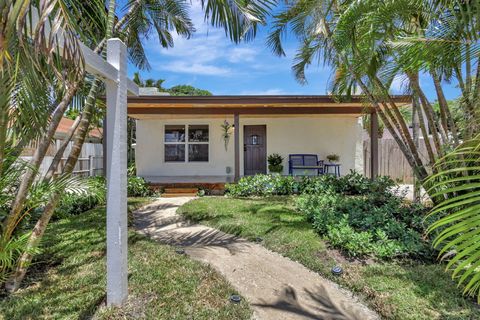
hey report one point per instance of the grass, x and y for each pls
(395, 289)
(67, 281)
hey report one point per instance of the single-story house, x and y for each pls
(182, 138)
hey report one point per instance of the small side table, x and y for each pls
(335, 166)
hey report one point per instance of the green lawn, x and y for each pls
(68, 280)
(397, 290)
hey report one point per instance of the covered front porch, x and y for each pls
(179, 137)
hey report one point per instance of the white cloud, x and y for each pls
(207, 52)
(239, 54)
(193, 68)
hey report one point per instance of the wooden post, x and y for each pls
(236, 124)
(91, 171)
(117, 234)
(373, 145)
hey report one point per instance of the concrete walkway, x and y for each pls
(276, 287)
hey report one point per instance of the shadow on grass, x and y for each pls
(68, 279)
(430, 283)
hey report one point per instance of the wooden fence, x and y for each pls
(391, 161)
(90, 162)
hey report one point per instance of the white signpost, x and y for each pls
(117, 233)
(114, 73)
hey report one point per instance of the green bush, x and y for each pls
(138, 187)
(351, 184)
(76, 203)
(360, 216)
(262, 185)
(361, 225)
(95, 195)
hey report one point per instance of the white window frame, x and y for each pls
(186, 143)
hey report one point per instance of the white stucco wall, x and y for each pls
(321, 136)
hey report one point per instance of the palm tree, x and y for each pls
(32, 75)
(370, 43)
(239, 21)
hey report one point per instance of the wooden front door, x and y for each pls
(255, 149)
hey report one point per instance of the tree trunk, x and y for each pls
(426, 138)
(31, 172)
(418, 170)
(427, 108)
(14, 281)
(58, 156)
(446, 116)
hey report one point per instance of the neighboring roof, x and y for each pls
(279, 104)
(151, 91)
(65, 125)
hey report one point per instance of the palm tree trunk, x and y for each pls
(427, 108)
(31, 172)
(445, 114)
(400, 123)
(3, 133)
(426, 138)
(415, 131)
(14, 281)
(61, 150)
(418, 169)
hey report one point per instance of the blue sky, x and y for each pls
(208, 60)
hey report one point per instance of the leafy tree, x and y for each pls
(187, 90)
(371, 43)
(66, 76)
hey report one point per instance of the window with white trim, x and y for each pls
(186, 143)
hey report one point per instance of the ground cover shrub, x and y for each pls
(95, 194)
(262, 185)
(379, 224)
(351, 184)
(360, 216)
(138, 187)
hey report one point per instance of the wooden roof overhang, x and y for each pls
(252, 105)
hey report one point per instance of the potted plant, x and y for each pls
(333, 158)
(275, 163)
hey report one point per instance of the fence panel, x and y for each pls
(392, 162)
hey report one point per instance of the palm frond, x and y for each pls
(239, 18)
(458, 229)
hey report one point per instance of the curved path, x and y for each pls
(276, 287)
